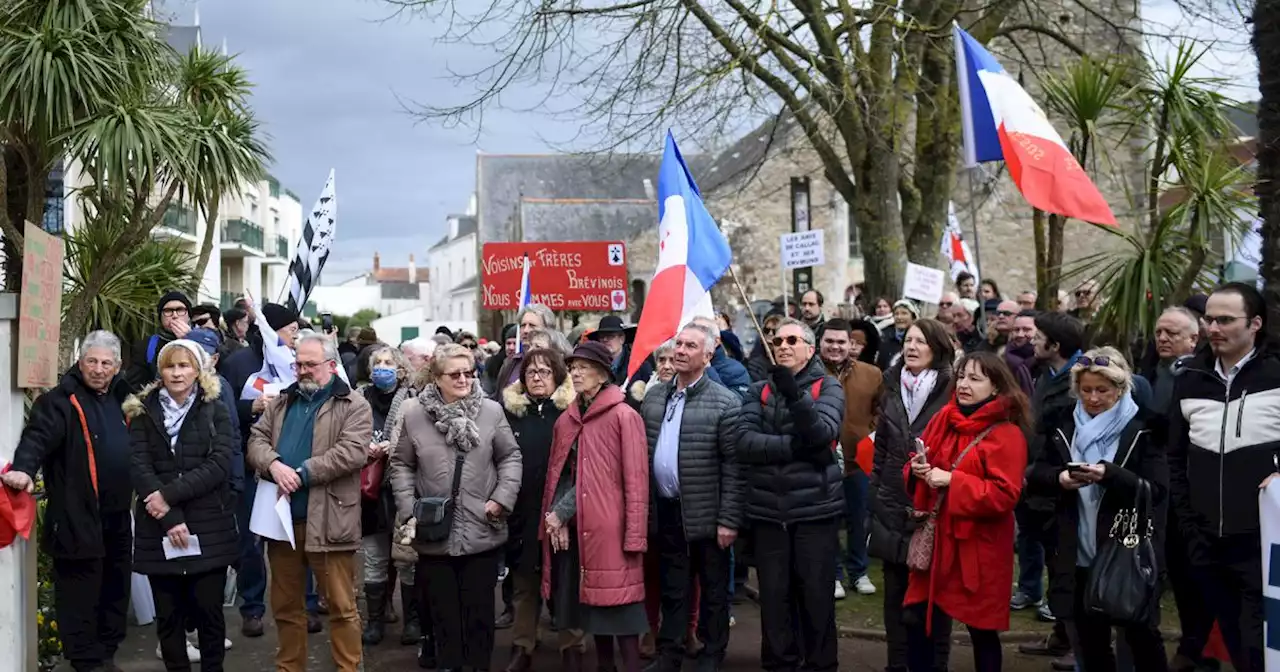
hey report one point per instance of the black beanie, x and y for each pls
(278, 316)
(173, 295)
(509, 331)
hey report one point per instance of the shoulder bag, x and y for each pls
(371, 474)
(920, 548)
(435, 514)
(1123, 579)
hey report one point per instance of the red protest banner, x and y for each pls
(583, 276)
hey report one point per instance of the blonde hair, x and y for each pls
(169, 356)
(1117, 369)
(447, 352)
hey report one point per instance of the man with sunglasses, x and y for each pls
(1000, 326)
(173, 310)
(1223, 439)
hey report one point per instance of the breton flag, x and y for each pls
(277, 360)
(954, 248)
(523, 301)
(313, 248)
(1001, 122)
(692, 256)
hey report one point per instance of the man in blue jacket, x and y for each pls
(731, 373)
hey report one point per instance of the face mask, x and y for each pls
(384, 379)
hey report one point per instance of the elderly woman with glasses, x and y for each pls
(1103, 450)
(596, 512)
(455, 473)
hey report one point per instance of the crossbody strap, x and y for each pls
(976, 440)
(457, 475)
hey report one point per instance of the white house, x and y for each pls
(455, 286)
(386, 290)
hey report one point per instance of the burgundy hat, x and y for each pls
(596, 353)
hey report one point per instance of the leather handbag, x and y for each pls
(920, 548)
(1124, 578)
(371, 478)
(434, 515)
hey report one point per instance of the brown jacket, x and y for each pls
(341, 436)
(422, 466)
(861, 382)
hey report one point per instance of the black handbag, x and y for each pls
(435, 514)
(1124, 578)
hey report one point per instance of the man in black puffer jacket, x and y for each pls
(795, 498)
(692, 424)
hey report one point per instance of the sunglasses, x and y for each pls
(1005, 313)
(459, 375)
(1103, 361)
(203, 322)
(945, 304)
(789, 340)
(469, 346)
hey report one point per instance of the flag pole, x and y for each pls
(977, 246)
(733, 275)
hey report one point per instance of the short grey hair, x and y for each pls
(397, 359)
(441, 339)
(326, 343)
(420, 345)
(556, 340)
(805, 331)
(101, 339)
(665, 349)
(1192, 319)
(709, 339)
(544, 314)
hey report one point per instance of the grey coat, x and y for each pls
(422, 466)
(711, 486)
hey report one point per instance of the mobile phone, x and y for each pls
(326, 322)
(1076, 466)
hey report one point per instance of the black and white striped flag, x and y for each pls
(313, 249)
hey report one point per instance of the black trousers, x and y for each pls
(923, 645)
(684, 564)
(897, 634)
(458, 591)
(1232, 583)
(1093, 639)
(194, 599)
(796, 568)
(1194, 616)
(91, 597)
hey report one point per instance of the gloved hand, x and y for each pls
(822, 458)
(785, 382)
(407, 532)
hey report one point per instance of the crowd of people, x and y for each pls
(632, 508)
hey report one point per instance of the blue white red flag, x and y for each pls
(692, 256)
(1000, 121)
(523, 301)
(954, 248)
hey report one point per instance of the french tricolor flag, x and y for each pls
(692, 257)
(1001, 122)
(523, 300)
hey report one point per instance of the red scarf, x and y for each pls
(950, 432)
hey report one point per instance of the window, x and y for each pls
(855, 240)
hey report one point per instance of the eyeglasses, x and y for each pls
(1083, 292)
(469, 346)
(309, 366)
(174, 312)
(1223, 320)
(1103, 361)
(459, 375)
(1005, 313)
(945, 304)
(789, 340)
(538, 373)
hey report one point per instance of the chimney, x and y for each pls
(413, 271)
(377, 262)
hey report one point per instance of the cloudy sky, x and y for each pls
(329, 78)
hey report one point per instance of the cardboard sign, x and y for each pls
(40, 313)
(802, 250)
(923, 283)
(581, 276)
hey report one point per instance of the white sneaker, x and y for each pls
(839, 590)
(193, 652)
(226, 644)
(864, 586)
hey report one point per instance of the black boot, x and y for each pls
(412, 632)
(375, 600)
(427, 652)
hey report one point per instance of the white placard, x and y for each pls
(802, 250)
(1269, 514)
(271, 517)
(923, 283)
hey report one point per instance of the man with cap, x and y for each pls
(77, 436)
(174, 310)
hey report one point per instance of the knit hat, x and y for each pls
(1197, 303)
(207, 339)
(196, 350)
(911, 306)
(172, 295)
(508, 332)
(278, 316)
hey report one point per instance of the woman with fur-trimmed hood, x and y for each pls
(182, 446)
(533, 403)
(664, 370)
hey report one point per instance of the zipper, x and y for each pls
(1222, 445)
(1240, 412)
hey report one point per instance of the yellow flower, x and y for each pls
(40, 619)
(53, 625)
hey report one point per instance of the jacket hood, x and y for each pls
(517, 403)
(872, 334)
(606, 399)
(210, 386)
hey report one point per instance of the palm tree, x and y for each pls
(1266, 46)
(229, 151)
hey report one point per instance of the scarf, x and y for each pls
(456, 421)
(175, 413)
(916, 389)
(1096, 439)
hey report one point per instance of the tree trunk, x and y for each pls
(1199, 253)
(206, 245)
(882, 236)
(1266, 46)
(1044, 301)
(1053, 257)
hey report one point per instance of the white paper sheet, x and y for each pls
(271, 390)
(271, 517)
(171, 551)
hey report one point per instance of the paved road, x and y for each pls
(252, 655)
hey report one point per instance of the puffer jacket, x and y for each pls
(423, 465)
(533, 424)
(193, 476)
(789, 479)
(890, 525)
(711, 487)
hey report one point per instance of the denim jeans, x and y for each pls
(1030, 555)
(251, 575)
(855, 520)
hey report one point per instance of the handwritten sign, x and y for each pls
(802, 250)
(923, 283)
(40, 315)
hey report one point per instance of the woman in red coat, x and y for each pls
(596, 508)
(971, 473)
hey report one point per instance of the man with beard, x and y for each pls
(1019, 353)
(311, 443)
(1000, 326)
(175, 321)
(962, 321)
(811, 309)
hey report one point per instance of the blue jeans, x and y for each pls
(1030, 556)
(855, 520)
(251, 575)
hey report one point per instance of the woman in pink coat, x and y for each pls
(595, 506)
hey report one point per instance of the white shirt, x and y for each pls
(666, 455)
